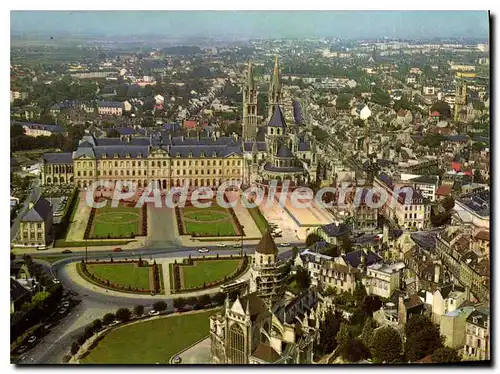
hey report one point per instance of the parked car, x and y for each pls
(56, 281)
(154, 313)
(62, 311)
(22, 349)
(237, 245)
(285, 244)
(222, 245)
(65, 304)
(47, 326)
(32, 339)
(117, 250)
(66, 251)
(177, 360)
(203, 250)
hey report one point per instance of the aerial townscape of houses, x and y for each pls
(373, 115)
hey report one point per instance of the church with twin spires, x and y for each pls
(274, 149)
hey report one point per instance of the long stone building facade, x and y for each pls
(270, 150)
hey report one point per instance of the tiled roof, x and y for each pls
(483, 235)
(333, 230)
(17, 291)
(267, 245)
(40, 212)
(354, 258)
(277, 119)
(256, 306)
(284, 152)
(443, 190)
(58, 158)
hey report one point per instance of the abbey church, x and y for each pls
(267, 325)
(274, 149)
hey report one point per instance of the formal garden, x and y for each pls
(202, 273)
(124, 221)
(208, 222)
(135, 276)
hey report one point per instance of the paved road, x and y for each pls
(94, 305)
(35, 193)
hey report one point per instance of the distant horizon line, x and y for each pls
(68, 34)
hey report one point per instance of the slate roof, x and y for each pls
(267, 245)
(277, 119)
(354, 258)
(284, 152)
(39, 213)
(297, 112)
(424, 239)
(282, 169)
(256, 306)
(479, 317)
(303, 146)
(58, 158)
(333, 230)
(426, 179)
(261, 146)
(125, 130)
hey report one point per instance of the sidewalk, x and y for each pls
(138, 243)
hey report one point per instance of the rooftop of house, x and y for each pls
(40, 211)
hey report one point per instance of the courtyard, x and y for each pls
(212, 221)
(165, 338)
(122, 274)
(123, 221)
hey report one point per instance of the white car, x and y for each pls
(55, 281)
(65, 304)
(222, 245)
(203, 250)
(154, 313)
(285, 244)
(32, 339)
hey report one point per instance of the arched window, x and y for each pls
(236, 345)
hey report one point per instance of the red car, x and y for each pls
(117, 250)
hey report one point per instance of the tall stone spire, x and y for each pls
(249, 106)
(274, 89)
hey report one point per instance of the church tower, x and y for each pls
(274, 89)
(267, 272)
(460, 98)
(249, 107)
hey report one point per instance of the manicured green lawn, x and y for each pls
(222, 228)
(212, 221)
(259, 219)
(116, 222)
(126, 274)
(150, 342)
(207, 271)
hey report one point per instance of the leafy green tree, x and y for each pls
(89, 331)
(123, 314)
(359, 293)
(302, 278)
(422, 337)
(386, 345)
(97, 324)
(312, 238)
(354, 351)
(160, 306)
(139, 310)
(75, 347)
(342, 337)
(295, 252)
(328, 330)
(446, 355)
(370, 304)
(367, 332)
(40, 297)
(179, 302)
(108, 318)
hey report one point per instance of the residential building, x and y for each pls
(452, 327)
(340, 277)
(110, 108)
(427, 185)
(477, 334)
(37, 129)
(36, 224)
(383, 279)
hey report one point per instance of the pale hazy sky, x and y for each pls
(344, 24)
